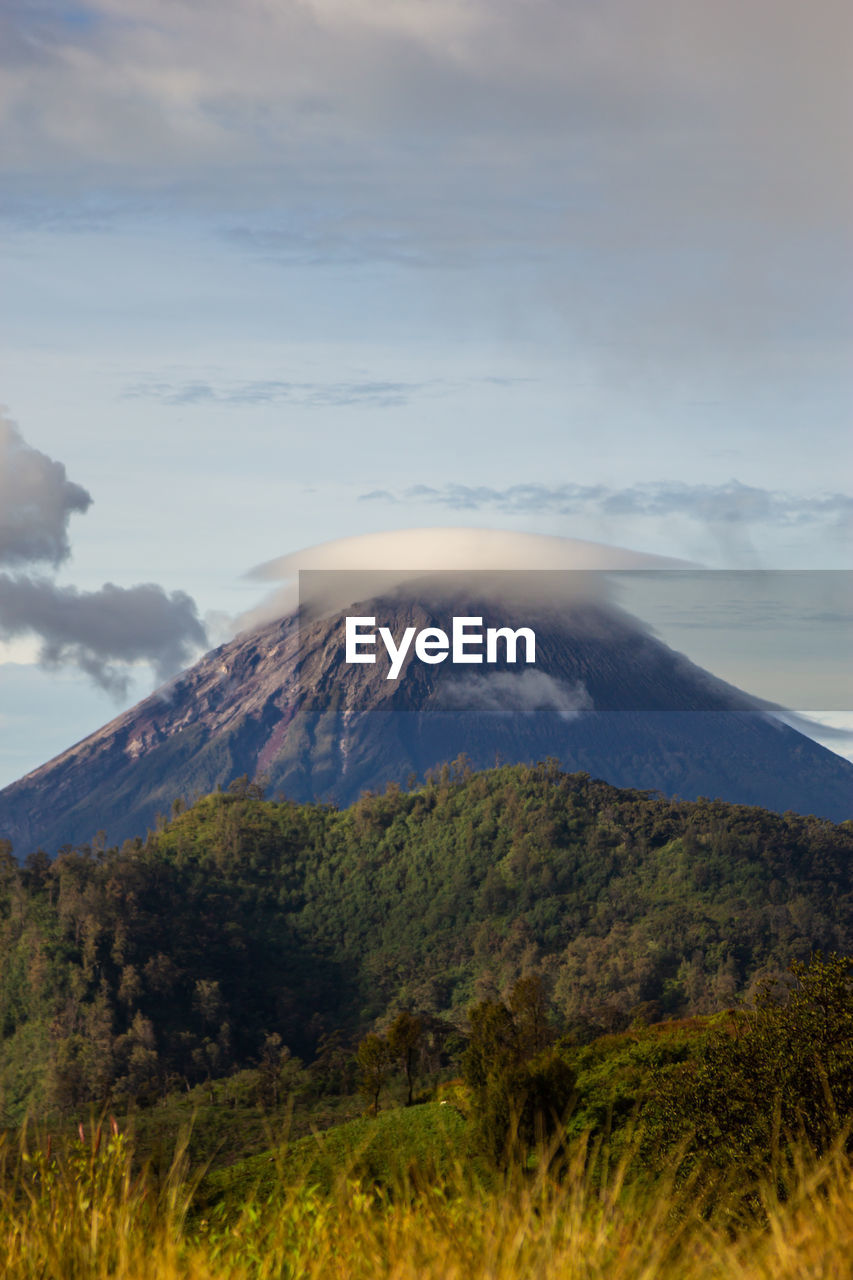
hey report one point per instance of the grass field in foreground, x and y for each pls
(87, 1214)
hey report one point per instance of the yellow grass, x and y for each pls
(86, 1215)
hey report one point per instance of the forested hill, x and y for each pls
(171, 959)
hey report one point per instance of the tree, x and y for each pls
(520, 1087)
(404, 1039)
(374, 1060)
(136, 1050)
(275, 1056)
(529, 1008)
(783, 1070)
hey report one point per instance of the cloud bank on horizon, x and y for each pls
(99, 632)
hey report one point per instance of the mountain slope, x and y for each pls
(280, 703)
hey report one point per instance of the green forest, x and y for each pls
(126, 973)
(460, 1006)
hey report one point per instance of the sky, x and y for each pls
(290, 271)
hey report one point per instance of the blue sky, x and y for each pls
(280, 273)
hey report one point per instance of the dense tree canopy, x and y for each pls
(124, 972)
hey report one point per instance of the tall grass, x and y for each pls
(83, 1212)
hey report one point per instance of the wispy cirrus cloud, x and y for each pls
(377, 394)
(731, 503)
(374, 393)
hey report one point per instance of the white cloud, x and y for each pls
(100, 632)
(832, 729)
(737, 93)
(674, 179)
(349, 569)
(504, 693)
(36, 502)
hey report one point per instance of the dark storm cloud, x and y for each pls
(36, 501)
(101, 632)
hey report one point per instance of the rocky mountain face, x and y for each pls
(281, 705)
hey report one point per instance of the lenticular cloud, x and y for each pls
(401, 555)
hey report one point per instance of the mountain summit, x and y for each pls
(281, 704)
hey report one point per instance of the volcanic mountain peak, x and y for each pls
(281, 703)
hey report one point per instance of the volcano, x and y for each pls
(281, 705)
